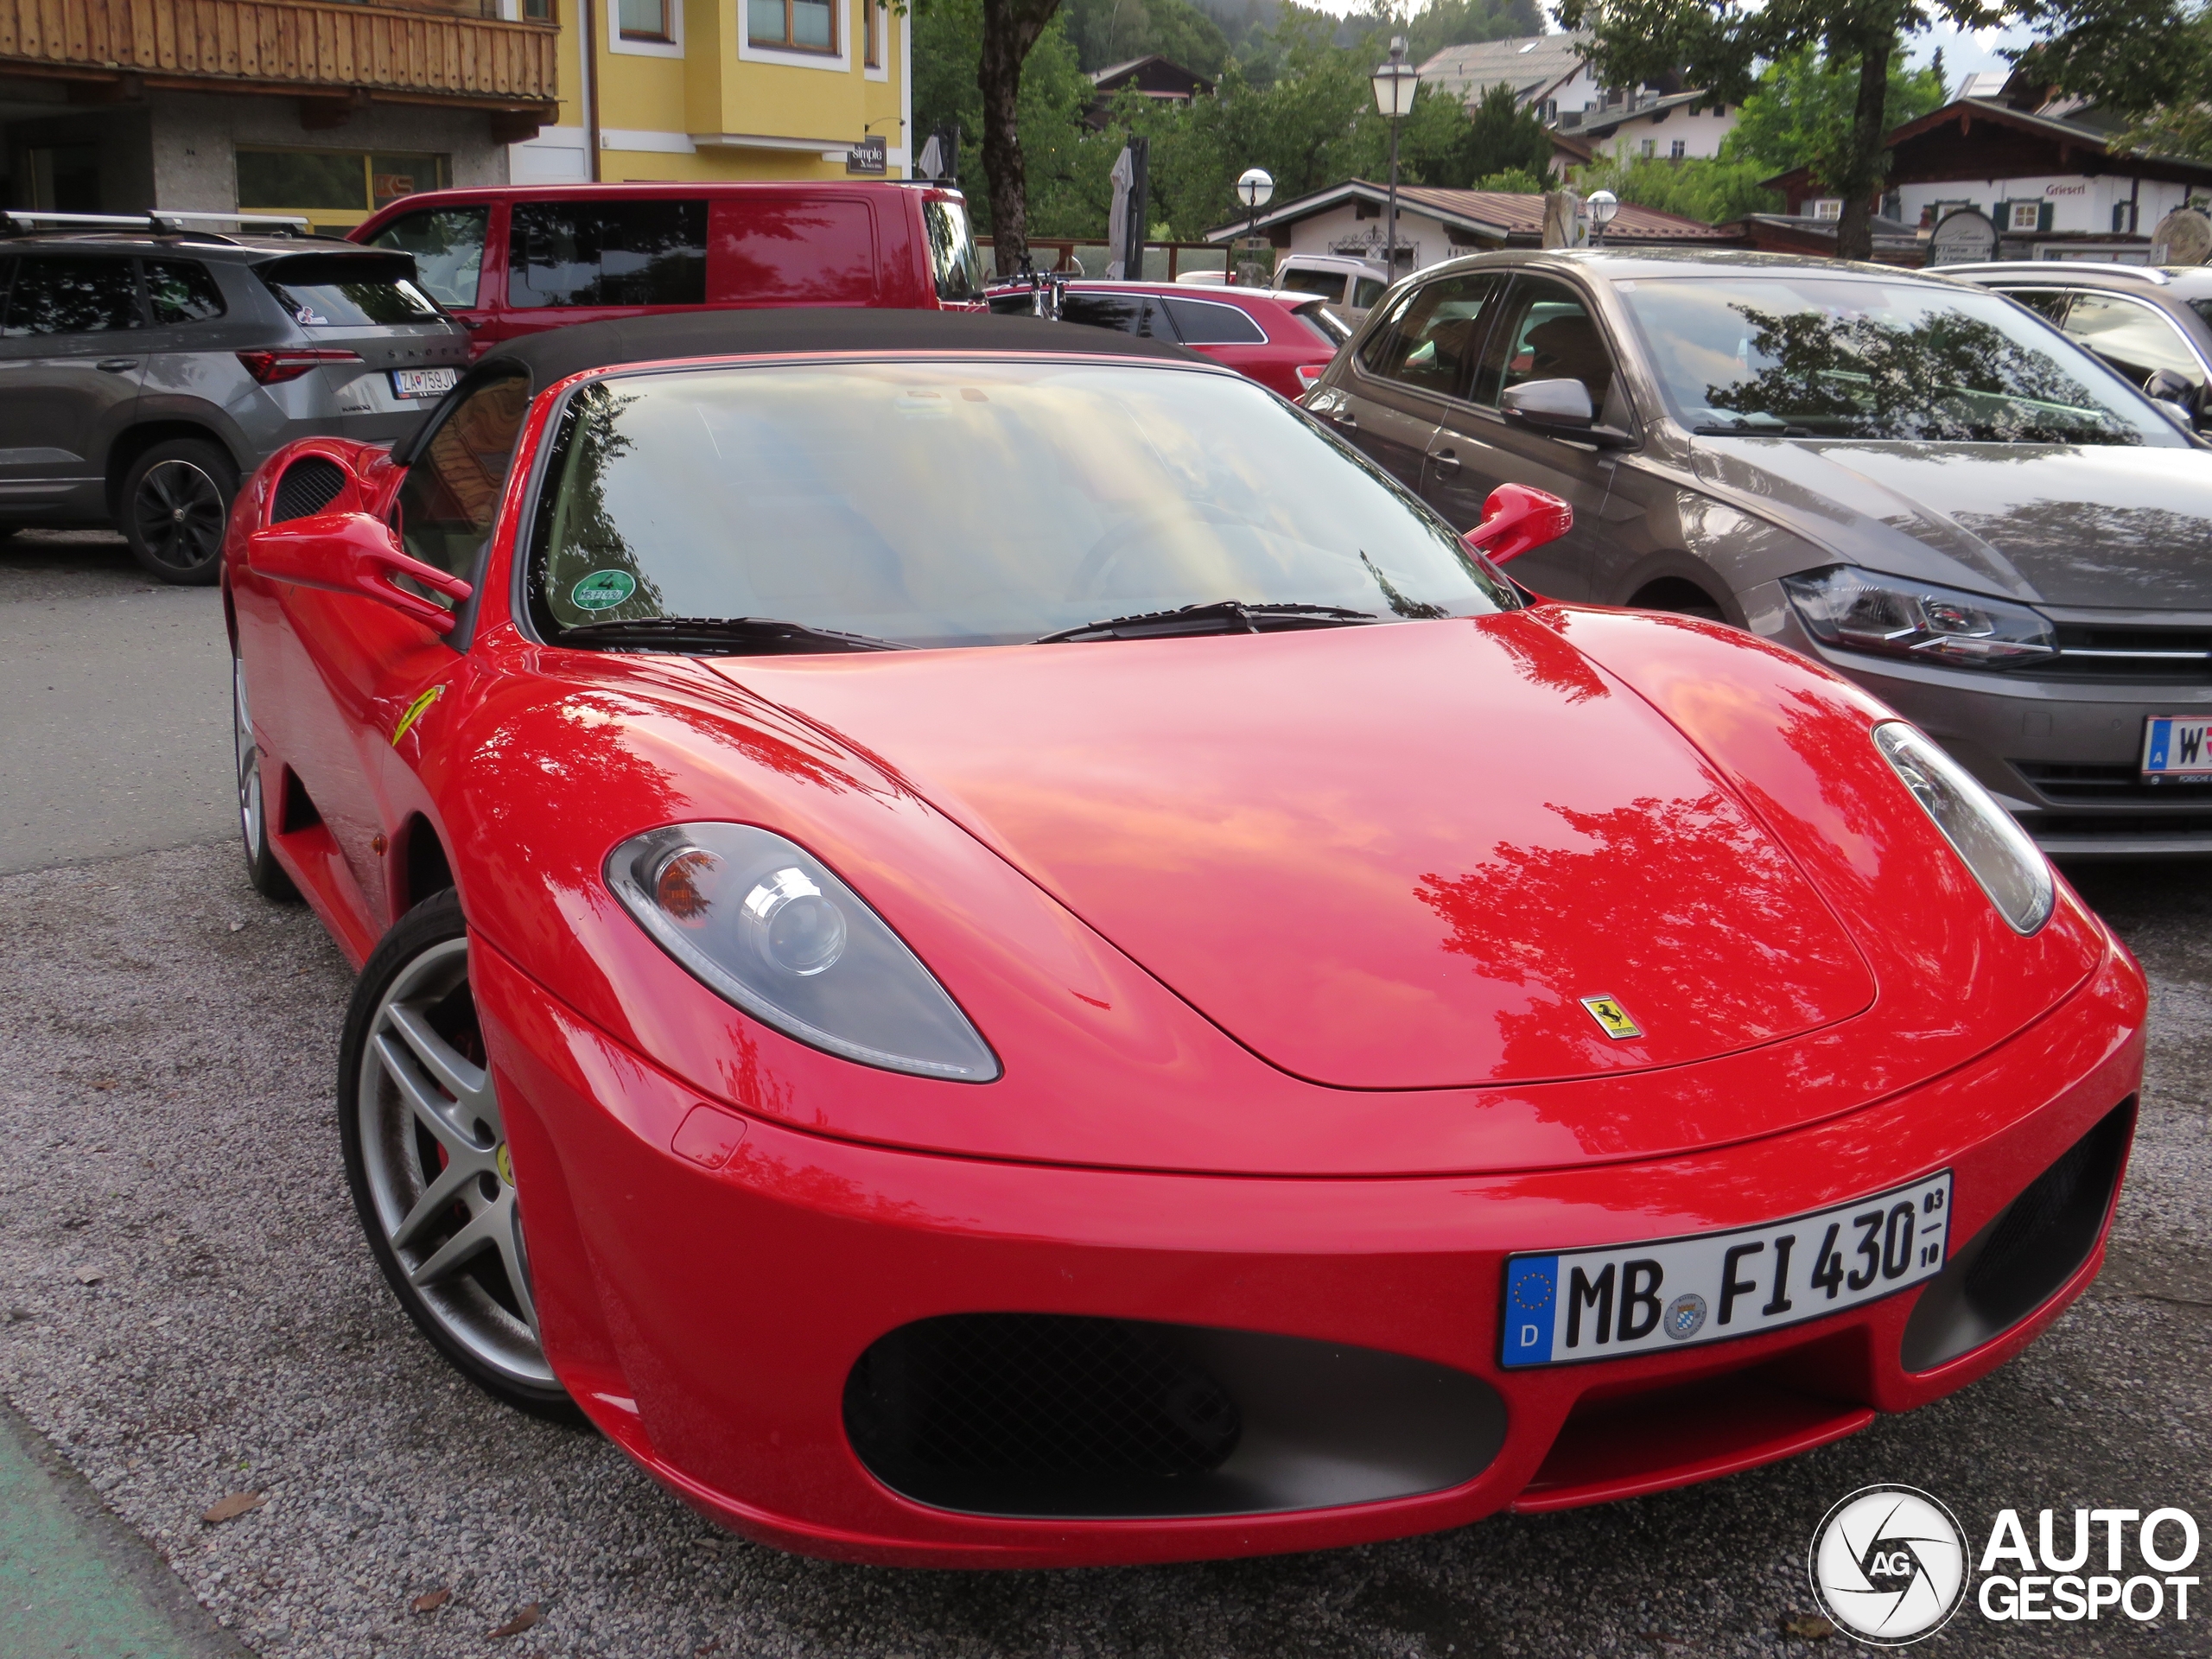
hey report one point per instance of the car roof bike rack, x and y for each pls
(2053, 267)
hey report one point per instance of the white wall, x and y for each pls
(2077, 202)
(1701, 134)
(1424, 235)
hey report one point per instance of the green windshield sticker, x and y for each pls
(602, 590)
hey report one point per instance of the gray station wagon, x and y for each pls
(1914, 481)
(143, 372)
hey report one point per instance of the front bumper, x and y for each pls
(2062, 754)
(710, 1318)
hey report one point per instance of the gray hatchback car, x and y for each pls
(144, 373)
(1913, 480)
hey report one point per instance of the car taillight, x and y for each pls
(1309, 374)
(289, 363)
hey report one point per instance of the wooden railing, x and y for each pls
(313, 45)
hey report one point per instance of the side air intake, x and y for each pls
(309, 485)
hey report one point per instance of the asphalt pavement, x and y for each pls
(187, 1315)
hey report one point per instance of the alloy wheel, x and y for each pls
(178, 513)
(434, 1156)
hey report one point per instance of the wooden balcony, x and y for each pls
(314, 48)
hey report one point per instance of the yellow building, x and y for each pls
(331, 110)
(676, 89)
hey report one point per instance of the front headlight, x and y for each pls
(1861, 610)
(1997, 853)
(765, 925)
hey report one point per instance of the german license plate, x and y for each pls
(422, 383)
(1676, 1293)
(2177, 746)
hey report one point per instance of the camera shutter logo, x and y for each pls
(1889, 1565)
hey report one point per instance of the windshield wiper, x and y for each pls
(735, 636)
(1222, 616)
(1747, 429)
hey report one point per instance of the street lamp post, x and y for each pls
(1257, 186)
(1603, 206)
(1395, 83)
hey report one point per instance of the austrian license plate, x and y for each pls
(1673, 1292)
(422, 383)
(2177, 746)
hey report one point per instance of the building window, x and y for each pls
(2123, 218)
(1650, 148)
(538, 11)
(806, 25)
(334, 189)
(2025, 216)
(1677, 151)
(643, 20)
(1826, 207)
(872, 33)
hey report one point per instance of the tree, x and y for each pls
(1108, 32)
(1714, 189)
(1461, 22)
(1717, 44)
(1800, 113)
(2147, 61)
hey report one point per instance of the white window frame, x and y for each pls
(839, 63)
(884, 18)
(2032, 207)
(670, 47)
(1824, 207)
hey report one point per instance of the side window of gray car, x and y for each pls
(2134, 338)
(1432, 342)
(2051, 302)
(1547, 332)
(181, 291)
(61, 293)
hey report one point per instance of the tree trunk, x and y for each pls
(1010, 29)
(1862, 189)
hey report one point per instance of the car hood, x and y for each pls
(2102, 525)
(1404, 856)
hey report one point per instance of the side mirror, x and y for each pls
(1561, 409)
(2173, 394)
(1516, 518)
(353, 553)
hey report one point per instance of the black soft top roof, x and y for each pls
(559, 353)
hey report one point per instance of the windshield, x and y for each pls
(970, 504)
(1816, 356)
(1328, 285)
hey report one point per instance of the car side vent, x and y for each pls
(309, 485)
(2012, 1266)
(1069, 1415)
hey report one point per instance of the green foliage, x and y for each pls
(2148, 61)
(1714, 190)
(1056, 95)
(1800, 113)
(1461, 22)
(1108, 32)
(1513, 179)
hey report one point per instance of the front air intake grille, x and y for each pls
(309, 485)
(2014, 1264)
(1063, 1414)
(2058, 782)
(1076, 1395)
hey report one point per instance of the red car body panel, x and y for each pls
(854, 242)
(1292, 343)
(1145, 913)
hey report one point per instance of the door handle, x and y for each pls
(117, 365)
(1445, 462)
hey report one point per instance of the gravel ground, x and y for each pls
(189, 1314)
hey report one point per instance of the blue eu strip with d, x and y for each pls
(1531, 1301)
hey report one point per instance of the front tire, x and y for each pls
(426, 1157)
(176, 503)
(262, 870)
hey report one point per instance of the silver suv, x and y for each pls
(145, 369)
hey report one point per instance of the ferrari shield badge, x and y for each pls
(1611, 1017)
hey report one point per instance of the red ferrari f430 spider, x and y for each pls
(990, 949)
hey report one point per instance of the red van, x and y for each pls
(524, 257)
